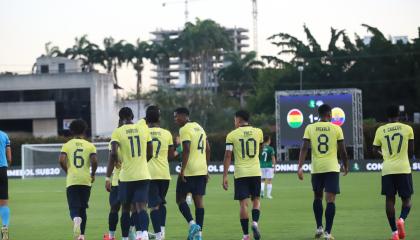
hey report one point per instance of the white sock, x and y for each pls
(125, 238)
(158, 235)
(262, 188)
(245, 236)
(396, 232)
(200, 233)
(254, 223)
(138, 234)
(192, 222)
(269, 188)
(162, 229)
(112, 234)
(145, 235)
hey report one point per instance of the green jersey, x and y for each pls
(266, 156)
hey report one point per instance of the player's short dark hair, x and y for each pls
(244, 115)
(78, 127)
(266, 138)
(126, 113)
(152, 114)
(324, 109)
(393, 111)
(182, 110)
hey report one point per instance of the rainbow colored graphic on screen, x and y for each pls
(338, 116)
(295, 118)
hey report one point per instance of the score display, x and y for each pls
(295, 112)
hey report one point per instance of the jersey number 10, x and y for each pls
(247, 149)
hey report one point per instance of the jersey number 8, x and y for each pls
(323, 143)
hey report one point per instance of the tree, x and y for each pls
(238, 77)
(88, 52)
(113, 57)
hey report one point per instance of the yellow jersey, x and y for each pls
(78, 153)
(142, 122)
(158, 165)
(393, 139)
(246, 142)
(193, 133)
(324, 137)
(132, 140)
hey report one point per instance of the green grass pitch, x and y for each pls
(39, 210)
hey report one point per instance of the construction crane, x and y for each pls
(254, 17)
(255, 24)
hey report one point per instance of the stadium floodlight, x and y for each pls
(41, 160)
(300, 69)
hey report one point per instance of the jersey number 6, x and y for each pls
(77, 159)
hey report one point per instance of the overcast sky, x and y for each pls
(26, 25)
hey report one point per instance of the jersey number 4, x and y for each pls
(392, 138)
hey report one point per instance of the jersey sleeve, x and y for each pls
(92, 149)
(306, 134)
(340, 135)
(170, 139)
(376, 140)
(64, 148)
(115, 137)
(273, 151)
(410, 133)
(184, 135)
(261, 135)
(229, 139)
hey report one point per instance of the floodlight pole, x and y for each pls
(300, 69)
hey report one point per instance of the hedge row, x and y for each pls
(217, 143)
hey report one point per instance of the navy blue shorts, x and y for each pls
(113, 196)
(328, 182)
(4, 184)
(134, 192)
(78, 196)
(401, 183)
(196, 185)
(157, 192)
(247, 187)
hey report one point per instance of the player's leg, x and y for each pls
(263, 177)
(244, 218)
(182, 189)
(318, 209)
(141, 197)
(115, 206)
(270, 176)
(125, 195)
(198, 192)
(389, 190)
(4, 207)
(154, 205)
(332, 188)
(164, 186)
(133, 216)
(85, 195)
(255, 191)
(405, 190)
(74, 203)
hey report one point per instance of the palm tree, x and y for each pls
(113, 57)
(238, 77)
(88, 52)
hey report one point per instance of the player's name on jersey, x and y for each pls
(392, 129)
(322, 129)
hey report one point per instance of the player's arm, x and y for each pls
(208, 152)
(171, 152)
(302, 156)
(112, 162)
(226, 164)
(9, 155)
(377, 151)
(63, 161)
(273, 161)
(343, 155)
(411, 148)
(94, 165)
(185, 156)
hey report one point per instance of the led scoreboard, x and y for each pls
(296, 109)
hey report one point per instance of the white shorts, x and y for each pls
(267, 173)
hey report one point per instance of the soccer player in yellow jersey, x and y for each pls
(245, 143)
(395, 143)
(325, 139)
(76, 158)
(135, 146)
(193, 176)
(163, 149)
(114, 201)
